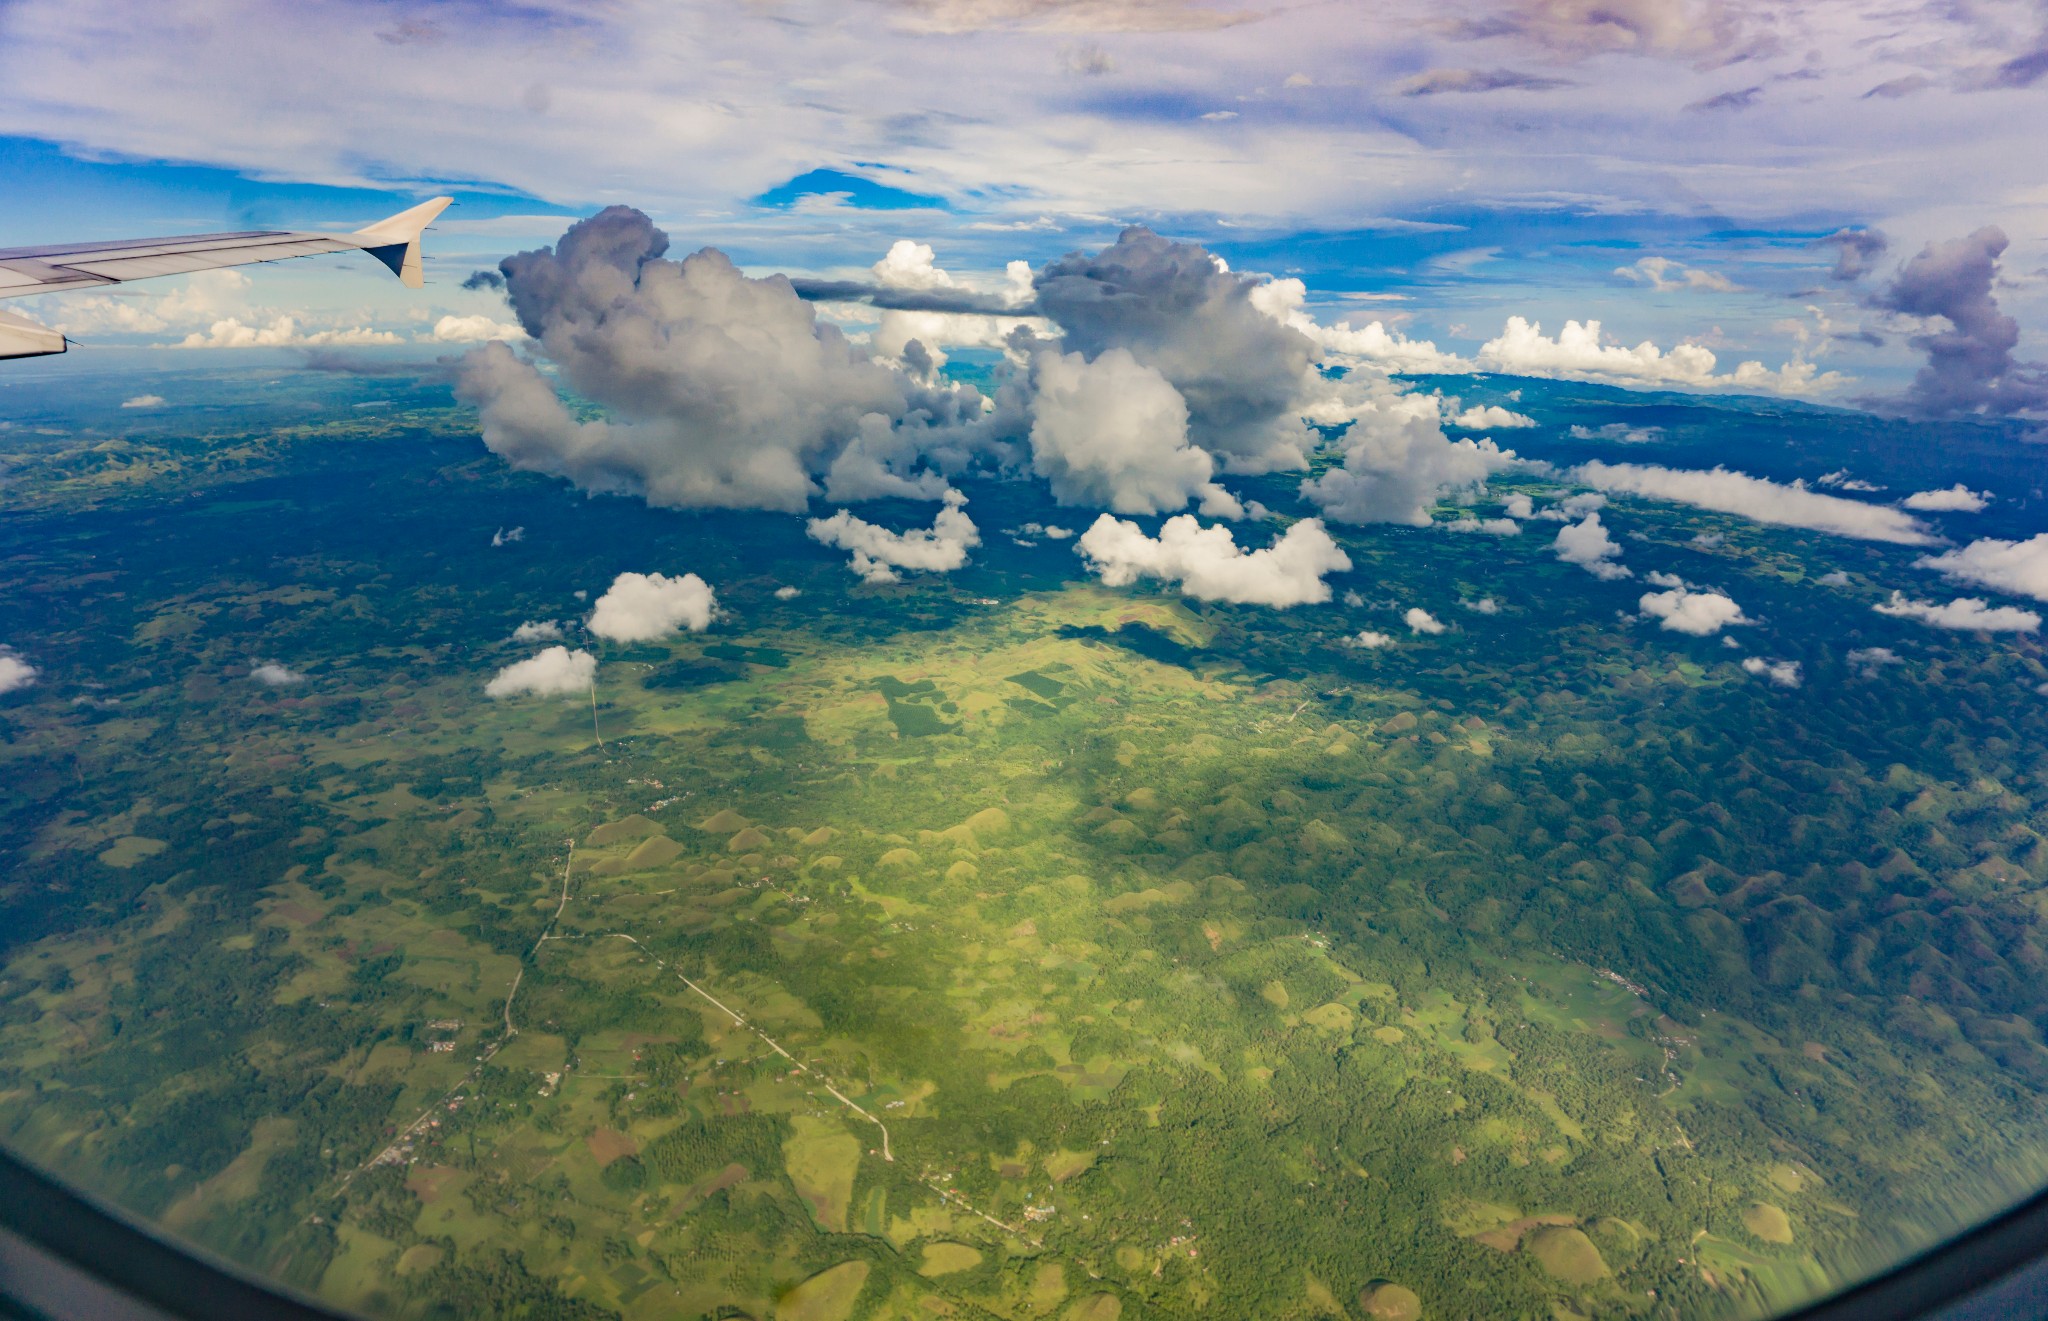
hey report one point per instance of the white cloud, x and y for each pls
(1485, 605)
(1113, 433)
(1398, 462)
(1835, 578)
(1781, 674)
(15, 673)
(1587, 544)
(282, 331)
(1369, 640)
(787, 593)
(1519, 505)
(1419, 620)
(2018, 567)
(1497, 527)
(537, 630)
(1966, 613)
(506, 536)
(471, 330)
(639, 607)
(1867, 661)
(878, 553)
(271, 674)
(1620, 432)
(910, 265)
(1700, 614)
(1840, 480)
(1483, 417)
(1664, 275)
(1755, 498)
(1957, 499)
(144, 401)
(1577, 354)
(1208, 564)
(554, 671)
(1049, 531)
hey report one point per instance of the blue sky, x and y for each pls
(1662, 166)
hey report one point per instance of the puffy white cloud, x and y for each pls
(1113, 433)
(1578, 354)
(537, 630)
(282, 331)
(555, 671)
(1369, 640)
(1779, 673)
(1619, 432)
(506, 536)
(1868, 661)
(2018, 567)
(1484, 417)
(1840, 480)
(910, 265)
(272, 674)
(1485, 605)
(144, 401)
(1587, 544)
(639, 607)
(1284, 301)
(1495, 527)
(1700, 614)
(787, 593)
(1957, 499)
(1049, 531)
(1398, 463)
(15, 673)
(1419, 620)
(1730, 492)
(1966, 613)
(878, 553)
(1209, 565)
(1519, 505)
(1835, 578)
(472, 330)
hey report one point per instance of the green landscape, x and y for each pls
(998, 944)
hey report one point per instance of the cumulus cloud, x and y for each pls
(1840, 480)
(1697, 613)
(787, 593)
(1620, 432)
(1665, 275)
(1957, 499)
(1577, 353)
(1970, 366)
(1519, 505)
(1966, 613)
(1209, 565)
(1398, 463)
(485, 279)
(1494, 527)
(1487, 417)
(1113, 432)
(1247, 376)
(1421, 621)
(144, 401)
(15, 673)
(1867, 662)
(2018, 567)
(879, 553)
(1779, 673)
(552, 672)
(537, 630)
(1587, 544)
(1485, 605)
(281, 332)
(720, 390)
(471, 330)
(1729, 492)
(1369, 640)
(911, 267)
(639, 607)
(272, 674)
(1856, 250)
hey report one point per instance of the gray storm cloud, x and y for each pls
(718, 389)
(1173, 308)
(1970, 367)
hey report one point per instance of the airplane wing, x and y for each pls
(394, 241)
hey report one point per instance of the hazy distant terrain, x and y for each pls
(1190, 959)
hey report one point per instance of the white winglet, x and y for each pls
(395, 241)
